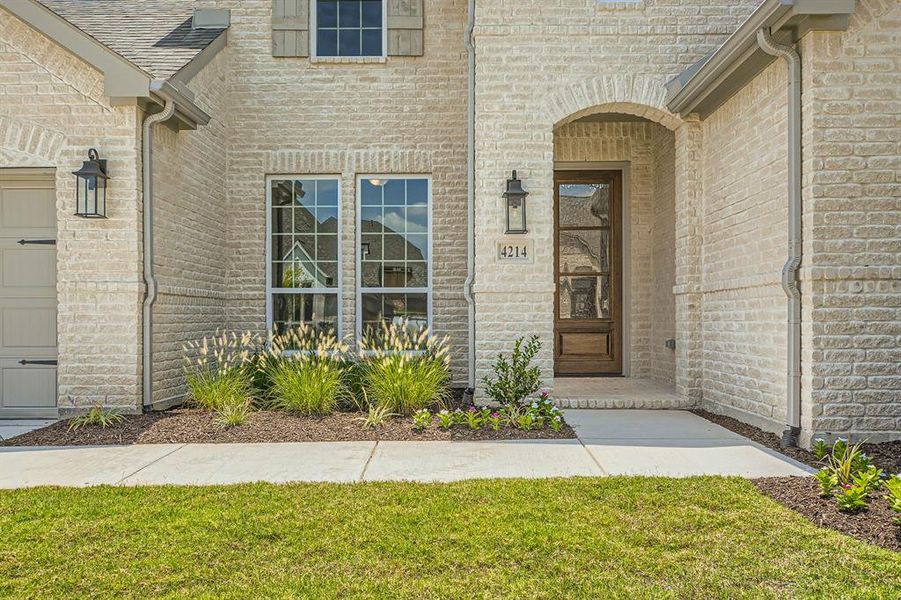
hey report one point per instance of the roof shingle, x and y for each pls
(156, 35)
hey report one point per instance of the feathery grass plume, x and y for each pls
(404, 368)
(306, 370)
(218, 369)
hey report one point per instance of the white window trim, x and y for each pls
(270, 290)
(428, 291)
(314, 37)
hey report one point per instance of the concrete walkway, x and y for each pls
(611, 442)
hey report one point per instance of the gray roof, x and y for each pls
(156, 35)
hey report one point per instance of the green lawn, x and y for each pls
(589, 538)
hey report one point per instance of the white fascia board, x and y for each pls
(702, 89)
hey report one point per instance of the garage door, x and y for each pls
(27, 293)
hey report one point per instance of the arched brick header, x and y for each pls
(643, 96)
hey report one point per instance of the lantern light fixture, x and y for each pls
(516, 206)
(90, 187)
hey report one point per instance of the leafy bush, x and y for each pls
(848, 474)
(828, 481)
(893, 486)
(96, 417)
(515, 379)
(851, 498)
(306, 371)
(218, 370)
(404, 369)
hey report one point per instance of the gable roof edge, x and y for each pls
(706, 85)
(121, 77)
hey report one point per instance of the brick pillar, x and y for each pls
(688, 260)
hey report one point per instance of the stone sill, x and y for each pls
(348, 60)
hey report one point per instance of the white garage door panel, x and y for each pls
(28, 327)
(28, 307)
(27, 387)
(27, 206)
(28, 267)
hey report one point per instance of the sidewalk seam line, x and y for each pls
(368, 460)
(153, 462)
(592, 456)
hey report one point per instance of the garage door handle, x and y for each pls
(42, 242)
(38, 362)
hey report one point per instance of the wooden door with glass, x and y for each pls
(588, 240)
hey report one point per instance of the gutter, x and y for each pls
(790, 277)
(470, 196)
(706, 85)
(149, 277)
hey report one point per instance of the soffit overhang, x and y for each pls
(706, 85)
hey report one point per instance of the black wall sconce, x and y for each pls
(90, 187)
(516, 206)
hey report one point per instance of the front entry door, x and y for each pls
(588, 316)
(27, 293)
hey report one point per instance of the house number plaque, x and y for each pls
(519, 251)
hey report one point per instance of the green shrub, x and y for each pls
(515, 379)
(893, 486)
(96, 417)
(404, 369)
(306, 371)
(218, 370)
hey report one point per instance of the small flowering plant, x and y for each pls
(847, 474)
(473, 418)
(446, 419)
(494, 420)
(422, 419)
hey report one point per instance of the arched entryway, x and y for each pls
(614, 262)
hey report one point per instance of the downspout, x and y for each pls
(790, 276)
(470, 196)
(149, 277)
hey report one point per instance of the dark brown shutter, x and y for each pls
(290, 28)
(405, 25)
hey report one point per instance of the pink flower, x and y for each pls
(847, 486)
(472, 409)
(494, 415)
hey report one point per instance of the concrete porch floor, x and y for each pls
(610, 442)
(615, 392)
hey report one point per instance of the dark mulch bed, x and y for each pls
(187, 425)
(876, 525)
(886, 455)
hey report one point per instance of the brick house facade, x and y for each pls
(653, 94)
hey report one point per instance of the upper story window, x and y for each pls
(350, 27)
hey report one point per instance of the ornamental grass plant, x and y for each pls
(404, 369)
(218, 370)
(306, 370)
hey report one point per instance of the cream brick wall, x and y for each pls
(190, 222)
(663, 301)
(852, 226)
(52, 110)
(541, 64)
(648, 148)
(296, 116)
(744, 224)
